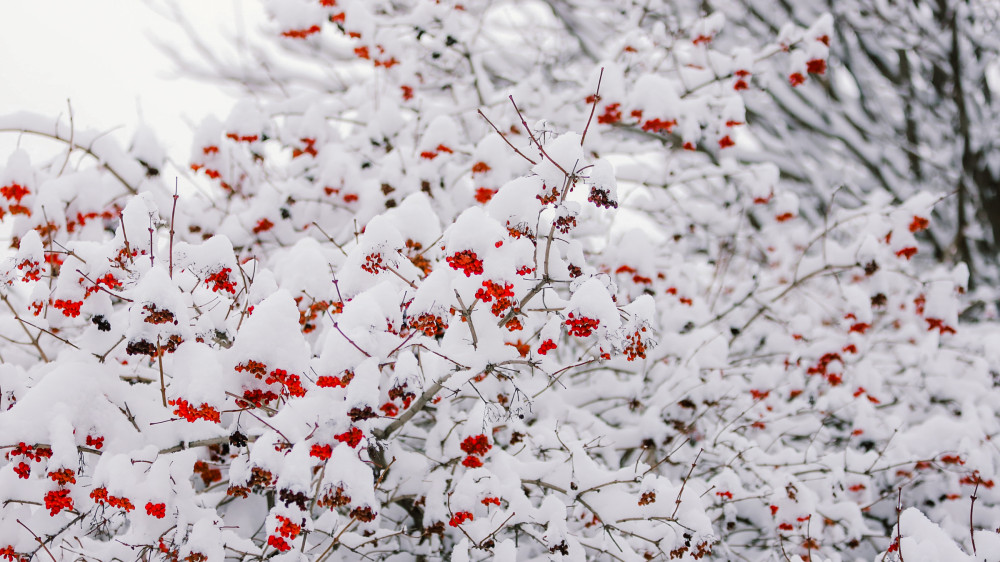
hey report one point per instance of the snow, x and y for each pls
(630, 344)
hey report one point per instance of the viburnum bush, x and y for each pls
(482, 280)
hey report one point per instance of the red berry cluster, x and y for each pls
(389, 409)
(191, 414)
(101, 496)
(814, 66)
(326, 381)
(307, 316)
(33, 273)
(220, 281)
(256, 397)
(108, 280)
(460, 517)
(741, 83)
(321, 452)
(820, 368)
(547, 346)
(207, 472)
(484, 194)
(300, 34)
(69, 308)
(475, 446)
(255, 368)
(602, 198)
(310, 148)
(373, 263)
(242, 138)
(581, 326)
(291, 384)
(286, 530)
(919, 223)
(467, 261)
(352, 437)
(16, 192)
(30, 452)
(656, 125)
(58, 500)
(157, 510)
(432, 154)
(612, 114)
(263, 225)
(635, 347)
(63, 476)
(502, 293)
(429, 324)
(939, 325)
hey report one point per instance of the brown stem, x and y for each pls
(899, 530)
(972, 505)
(173, 213)
(128, 250)
(677, 502)
(151, 252)
(126, 299)
(37, 538)
(163, 384)
(467, 314)
(75, 146)
(69, 151)
(531, 294)
(417, 405)
(593, 107)
(336, 540)
(337, 327)
(521, 154)
(534, 140)
(34, 340)
(44, 331)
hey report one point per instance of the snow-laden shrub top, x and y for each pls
(474, 281)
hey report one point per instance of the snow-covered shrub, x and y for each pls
(466, 281)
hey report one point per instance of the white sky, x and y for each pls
(100, 55)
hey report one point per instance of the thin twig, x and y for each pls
(128, 250)
(677, 502)
(34, 340)
(521, 154)
(163, 384)
(72, 133)
(899, 530)
(531, 294)
(37, 538)
(972, 505)
(400, 275)
(467, 314)
(336, 539)
(173, 213)
(593, 108)
(337, 327)
(151, 252)
(126, 299)
(497, 530)
(75, 146)
(330, 238)
(44, 331)
(533, 139)
(417, 406)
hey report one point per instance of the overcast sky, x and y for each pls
(99, 54)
